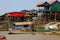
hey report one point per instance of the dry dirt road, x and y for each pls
(30, 36)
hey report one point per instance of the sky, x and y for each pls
(17, 5)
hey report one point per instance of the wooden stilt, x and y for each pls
(55, 16)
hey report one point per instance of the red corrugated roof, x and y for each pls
(16, 14)
(40, 3)
(51, 2)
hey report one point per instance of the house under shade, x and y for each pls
(51, 10)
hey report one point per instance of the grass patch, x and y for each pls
(38, 29)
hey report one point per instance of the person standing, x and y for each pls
(33, 29)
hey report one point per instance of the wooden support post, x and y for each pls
(55, 16)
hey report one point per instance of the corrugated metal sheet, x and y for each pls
(22, 23)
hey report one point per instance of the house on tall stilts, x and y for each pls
(51, 10)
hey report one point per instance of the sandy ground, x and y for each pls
(30, 36)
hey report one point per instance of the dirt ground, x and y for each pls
(30, 36)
